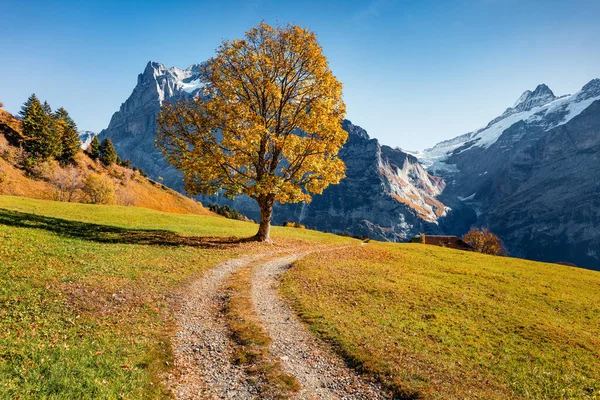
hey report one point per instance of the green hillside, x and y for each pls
(85, 290)
(440, 323)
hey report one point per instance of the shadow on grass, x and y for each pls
(113, 234)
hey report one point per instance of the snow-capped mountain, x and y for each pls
(132, 128)
(86, 138)
(387, 194)
(502, 176)
(540, 109)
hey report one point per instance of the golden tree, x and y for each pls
(268, 123)
(484, 241)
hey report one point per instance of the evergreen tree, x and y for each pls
(71, 145)
(108, 155)
(41, 140)
(95, 148)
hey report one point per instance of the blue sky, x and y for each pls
(414, 72)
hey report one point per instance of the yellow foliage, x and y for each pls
(268, 124)
(99, 189)
(484, 241)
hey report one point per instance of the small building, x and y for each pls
(452, 242)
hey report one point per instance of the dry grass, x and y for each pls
(132, 189)
(440, 323)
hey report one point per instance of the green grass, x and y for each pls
(146, 219)
(439, 323)
(86, 293)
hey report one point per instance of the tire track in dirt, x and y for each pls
(319, 371)
(201, 346)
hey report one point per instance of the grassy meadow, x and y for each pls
(432, 322)
(86, 292)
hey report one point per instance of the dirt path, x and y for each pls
(202, 349)
(321, 374)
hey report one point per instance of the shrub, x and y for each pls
(125, 197)
(38, 169)
(7, 153)
(293, 224)
(67, 182)
(99, 189)
(484, 241)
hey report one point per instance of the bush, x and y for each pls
(293, 224)
(38, 169)
(99, 189)
(8, 153)
(125, 198)
(67, 182)
(484, 241)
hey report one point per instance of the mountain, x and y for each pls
(387, 194)
(86, 138)
(132, 128)
(532, 175)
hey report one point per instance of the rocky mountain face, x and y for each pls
(531, 175)
(386, 195)
(132, 128)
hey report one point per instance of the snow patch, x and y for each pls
(471, 197)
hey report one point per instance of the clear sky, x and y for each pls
(414, 72)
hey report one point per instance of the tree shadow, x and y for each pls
(113, 234)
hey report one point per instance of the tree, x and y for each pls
(99, 189)
(95, 148)
(66, 182)
(268, 124)
(41, 139)
(484, 241)
(108, 155)
(71, 145)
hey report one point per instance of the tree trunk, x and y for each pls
(266, 212)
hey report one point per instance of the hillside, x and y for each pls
(53, 181)
(90, 300)
(444, 324)
(88, 293)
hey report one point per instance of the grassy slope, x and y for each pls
(132, 189)
(85, 293)
(439, 323)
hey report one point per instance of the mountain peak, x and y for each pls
(354, 129)
(590, 89)
(540, 96)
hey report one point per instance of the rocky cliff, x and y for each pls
(132, 128)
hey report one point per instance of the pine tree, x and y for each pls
(108, 155)
(41, 139)
(71, 145)
(95, 148)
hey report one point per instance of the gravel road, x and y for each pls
(201, 347)
(321, 373)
